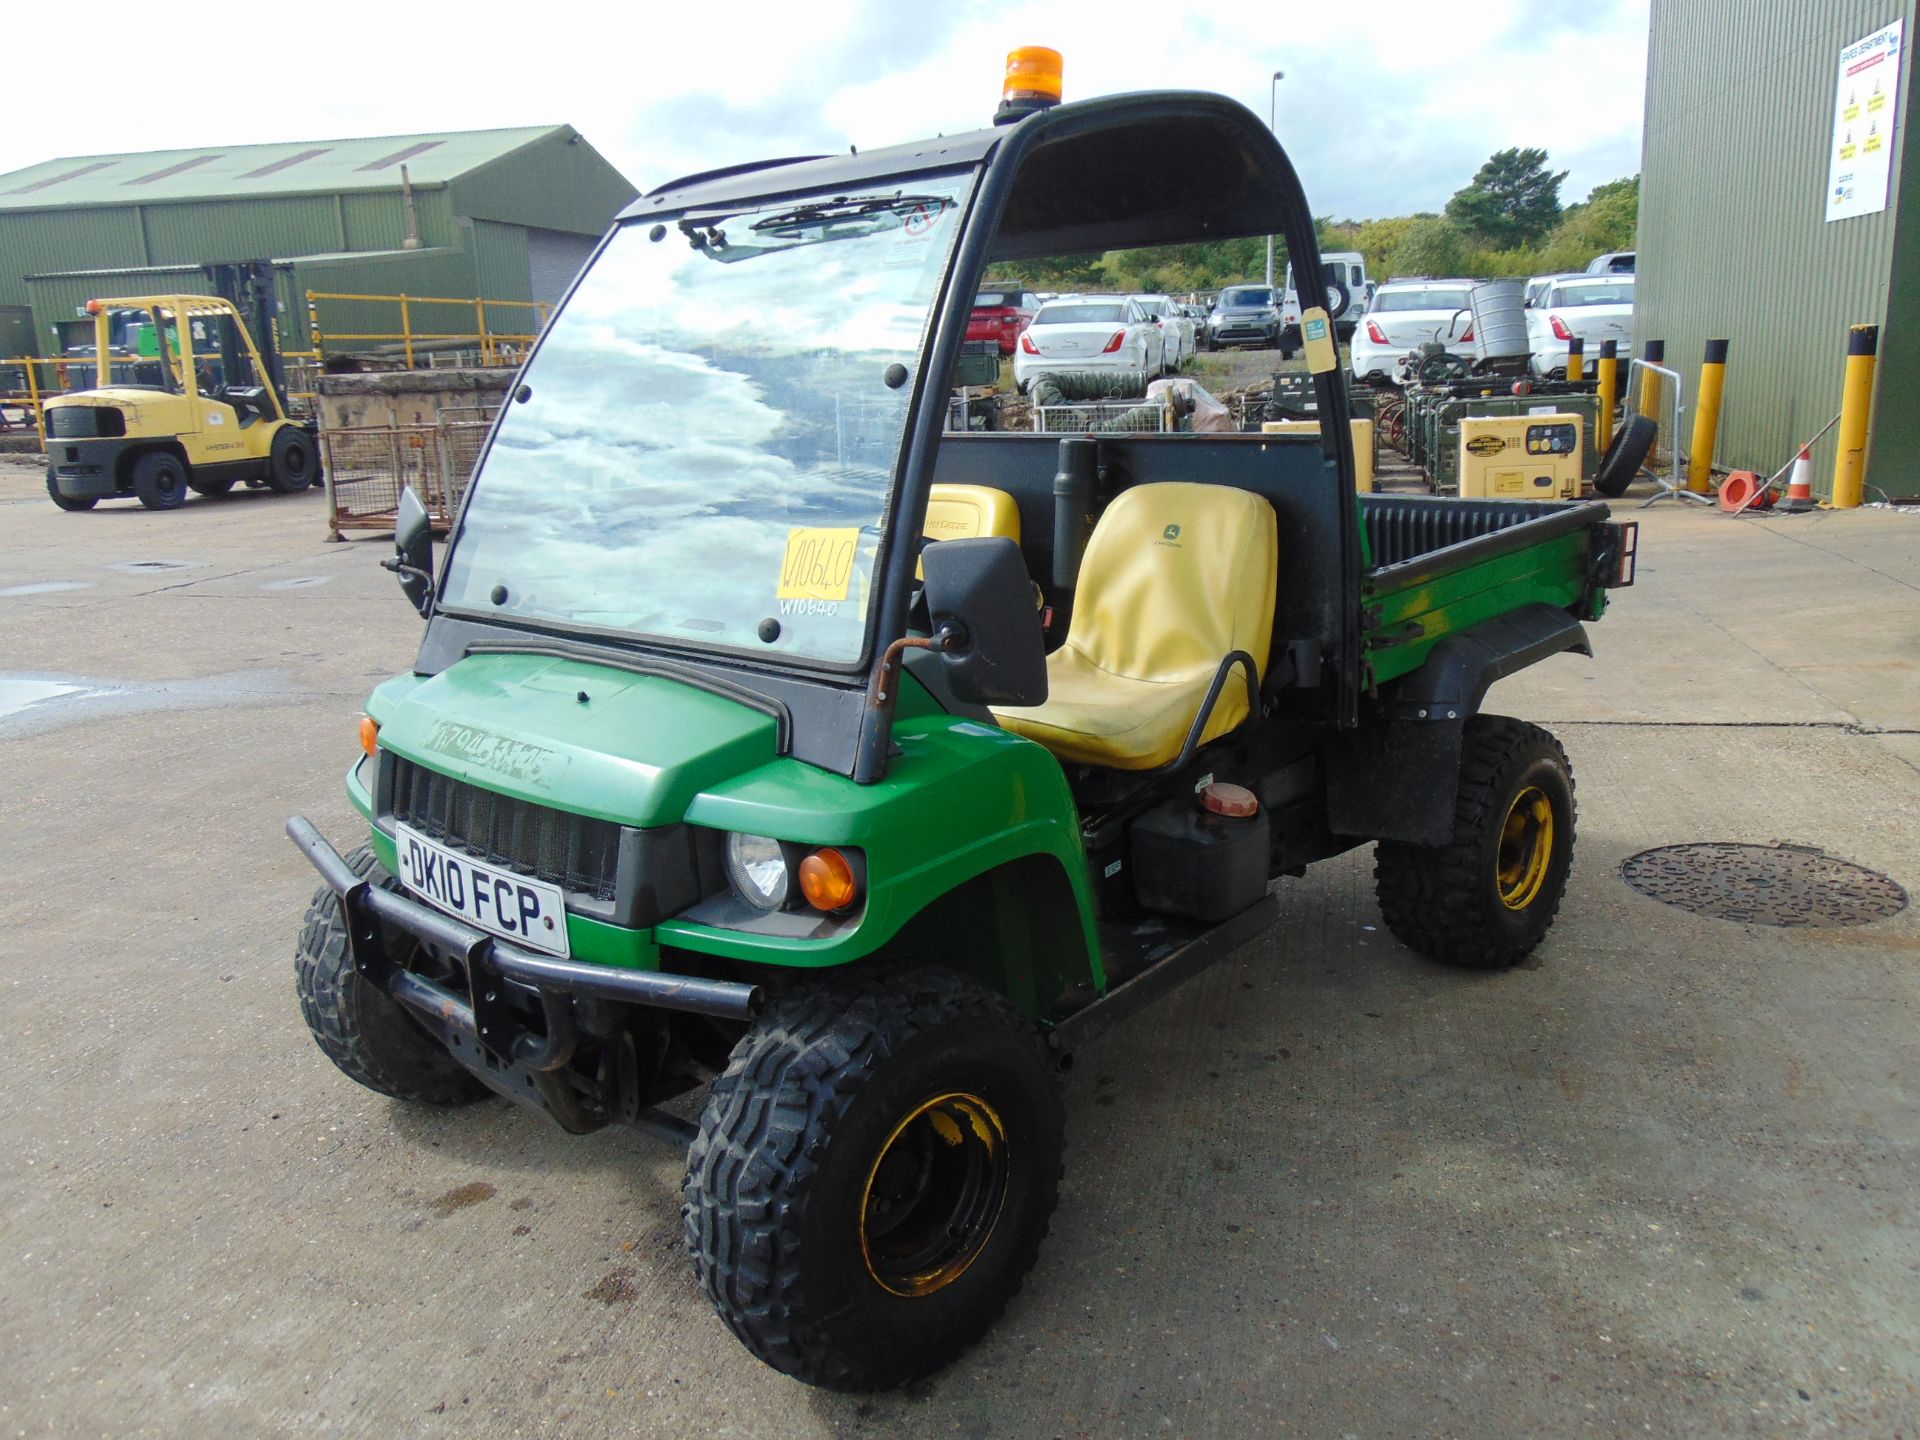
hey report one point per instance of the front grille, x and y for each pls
(575, 852)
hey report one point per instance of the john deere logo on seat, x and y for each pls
(1172, 532)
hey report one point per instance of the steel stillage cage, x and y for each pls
(366, 467)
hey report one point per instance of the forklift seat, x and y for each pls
(1174, 579)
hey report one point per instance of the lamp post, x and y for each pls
(1273, 115)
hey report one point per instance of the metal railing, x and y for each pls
(492, 346)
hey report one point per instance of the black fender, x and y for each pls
(1394, 778)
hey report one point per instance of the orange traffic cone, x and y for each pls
(1800, 486)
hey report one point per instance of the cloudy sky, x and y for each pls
(1390, 114)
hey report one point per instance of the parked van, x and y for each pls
(1346, 269)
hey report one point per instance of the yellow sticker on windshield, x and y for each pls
(818, 564)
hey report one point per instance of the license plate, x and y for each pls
(527, 912)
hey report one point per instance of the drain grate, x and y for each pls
(1764, 884)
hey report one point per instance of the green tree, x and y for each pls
(1513, 200)
(1606, 220)
(1430, 246)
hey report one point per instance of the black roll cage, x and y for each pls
(1155, 168)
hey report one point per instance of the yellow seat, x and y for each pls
(1175, 577)
(969, 512)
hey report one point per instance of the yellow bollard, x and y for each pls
(1856, 408)
(1706, 418)
(1576, 360)
(1654, 352)
(1609, 368)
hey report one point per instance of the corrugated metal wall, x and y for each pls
(1733, 239)
(32, 244)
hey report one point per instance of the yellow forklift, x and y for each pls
(179, 400)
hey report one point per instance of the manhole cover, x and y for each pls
(150, 567)
(1764, 884)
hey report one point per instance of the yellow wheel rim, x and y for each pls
(1526, 848)
(934, 1194)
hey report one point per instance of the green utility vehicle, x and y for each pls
(769, 737)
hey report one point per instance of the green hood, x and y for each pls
(635, 751)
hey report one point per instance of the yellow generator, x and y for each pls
(1362, 445)
(1520, 457)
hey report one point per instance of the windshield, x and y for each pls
(710, 427)
(1085, 314)
(1246, 299)
(1610, 294)
(1419, 298)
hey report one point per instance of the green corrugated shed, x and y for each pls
(329, 213)
(1734, 241)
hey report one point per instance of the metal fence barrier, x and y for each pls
(1656, 391)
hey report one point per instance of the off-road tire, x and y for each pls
(212, 489)
(68, 502)
(291, 464)
(789, 1148)
(364, 1032)
(1626, 453)
(1445, 901)
(160, 480)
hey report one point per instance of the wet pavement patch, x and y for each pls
(19, 693)
(45, 587)
(32, 702)
(1787, 885)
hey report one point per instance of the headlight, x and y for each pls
(757, 870)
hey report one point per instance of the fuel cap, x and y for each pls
(1234, 801)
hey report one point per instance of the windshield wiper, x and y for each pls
(858, 207)
(844, 217)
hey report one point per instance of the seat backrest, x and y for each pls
(1174, 577)
(969, 512)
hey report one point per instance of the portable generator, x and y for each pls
(1520, 457)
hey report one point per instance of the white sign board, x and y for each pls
(1860, 160)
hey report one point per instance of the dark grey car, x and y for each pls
(1244, 315)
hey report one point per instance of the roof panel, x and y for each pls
(214, 172)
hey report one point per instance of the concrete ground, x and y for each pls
(1660, 1181)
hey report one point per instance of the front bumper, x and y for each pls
(480, 1029)
(1245, 332)
(87, 467)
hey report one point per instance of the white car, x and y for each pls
(1538, 285)
(1404, 315)
(1594, 307)
(1614, 262)
(1089, 332)
(1174, 324)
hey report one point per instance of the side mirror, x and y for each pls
(980, 600)
(413, 550)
